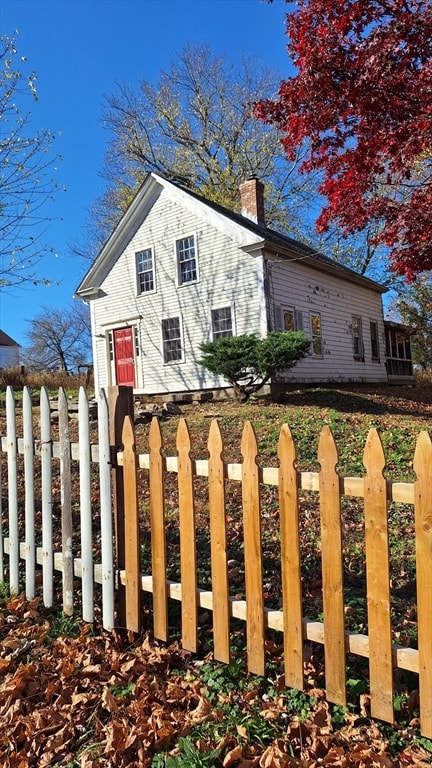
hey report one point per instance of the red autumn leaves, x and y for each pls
(362, 101)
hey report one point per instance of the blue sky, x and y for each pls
(80, 49)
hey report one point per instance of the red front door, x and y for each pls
(124, 357)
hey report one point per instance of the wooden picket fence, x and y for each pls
(120, 568)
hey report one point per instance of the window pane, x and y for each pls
(146, 282)
(186, 260)
(144, 262)
(288, 318)
(357, 337)
(374, 339)
(172, 348)
(186, 248)
(221, 323)
(316, 334)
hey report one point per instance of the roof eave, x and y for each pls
(322, 265)
(130, 219)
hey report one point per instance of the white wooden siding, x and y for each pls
(310, 291)
(9, 356)
(227, 275)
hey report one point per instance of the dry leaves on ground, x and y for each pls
(101, 699)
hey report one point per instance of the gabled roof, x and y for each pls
(7, 341)
(249, 235)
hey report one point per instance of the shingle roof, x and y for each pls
(7, 341)
(280, 240)
(287, 247)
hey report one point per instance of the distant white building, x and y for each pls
(9, 351)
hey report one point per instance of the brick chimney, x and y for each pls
(252, 200)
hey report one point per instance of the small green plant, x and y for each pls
(190, 756)
(356, 687)
(338, 714)
(158, 760)
(92, 750)
(4, 591)
(62, 625)
(248, 363)
(422, 741)
(299, 703)
(223, 678)
(122, 691)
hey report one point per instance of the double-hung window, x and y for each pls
(221, 323)
(357, 338)
(186, 260)
(145, 271)
(315, 321)
(374, 340)
(171, 340)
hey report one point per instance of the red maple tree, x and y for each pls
(362, 100)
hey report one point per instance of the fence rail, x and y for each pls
(28, 536)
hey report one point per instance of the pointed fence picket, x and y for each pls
(157, 523)
(30, 549)
(85, 507)
(218, 545)
(332, 569)
(66, 504)
(292, 609)
(12, 474)
(423, 537)
(131, 528)
(45, 447)
(110, 555)
(378, 579)
(255, 634)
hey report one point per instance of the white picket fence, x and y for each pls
(27, 536)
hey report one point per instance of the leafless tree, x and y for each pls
(59, 339)
(26, 184)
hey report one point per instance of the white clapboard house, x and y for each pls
(179, 270)
(9, 351)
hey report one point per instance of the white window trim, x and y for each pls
(109, 325)
(182, 359)
(225, 305)
(154, 289)
(177, 263)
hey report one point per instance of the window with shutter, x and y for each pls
(288, 319)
